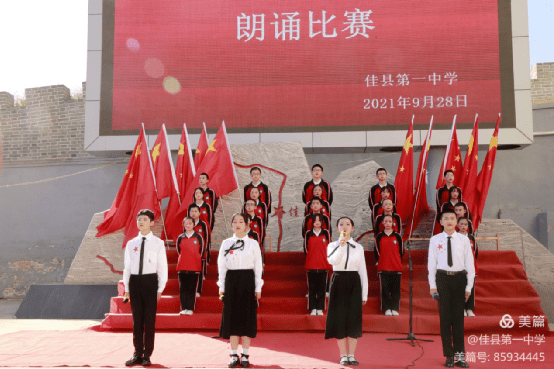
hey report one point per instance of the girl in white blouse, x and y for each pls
(240, 286)
(348, 292)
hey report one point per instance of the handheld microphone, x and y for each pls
(436, 296)
(125, 300)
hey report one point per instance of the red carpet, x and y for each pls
(501, 288)
(269, 350)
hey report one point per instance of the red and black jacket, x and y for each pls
(378, 210)
(327, 194)
(396, 223)
(308, 223)
(191, 251)
(315, 248)
(261, 211)
(258, 227)
(210, 197)
(325, 208)
(443, 195)
(206, 213)
(388, 252)
(202, 229)
(375, 195)
(265, 194)
(254, 236)
(475, 250)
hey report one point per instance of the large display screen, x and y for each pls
(273, 66)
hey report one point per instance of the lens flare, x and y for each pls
(172, 85)
(133, 45)
(154, 68)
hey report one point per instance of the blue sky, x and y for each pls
(44, 42)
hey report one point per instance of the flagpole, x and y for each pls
(171, 164)
(189, 150)
(449, 144)
(155, 187)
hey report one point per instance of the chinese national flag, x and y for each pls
(184, 172)
(484, 179)
(404, 181)
(469, 172)
(218, 164)
(137, 191)
(163, 166)
(420, 202)
(201, 149)
(452, 158)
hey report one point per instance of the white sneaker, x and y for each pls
(388, 313)
(204, 278)
(197, 294)
(320, 312)
(326, 294)
(183, 312)
(470, 313)
(465, 312)
(314, 312)
(395, 313)
(189, 312)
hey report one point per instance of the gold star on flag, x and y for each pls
(211, 148)
(402, 169)
(476, 157)
(490, 167)
(428, 145)
(156, 152)
(181, 174)
(470, 145)
(453, 168)
(131, 176)
(137, 152)
(408, 143)
(494, 142)
(126, 171)
(181, 149)
(457, 158)
(197, 151)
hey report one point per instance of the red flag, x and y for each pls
(218, 164)
(484, 179)
(452, 158)
(420, 204)
(471, 162)
(185, 174)
(404, 181)
(201, 148)
(137, 191)
(163, 166)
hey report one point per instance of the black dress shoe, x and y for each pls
(146, 361)
(235, 361)
(449, 362)
(244, 361)
(136, 359)
(462, 364)
(353, 361)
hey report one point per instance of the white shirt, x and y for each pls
(338, 255)
(316, 183)
(154, 259)
(249, 257)
(462, 257)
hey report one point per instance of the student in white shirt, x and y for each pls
(240, 287)
(144, 277)
(349, 287)
(451, 274)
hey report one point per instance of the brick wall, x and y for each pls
(542, 83)
(51, 126)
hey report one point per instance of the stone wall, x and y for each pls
(542, 83)
(50, 126)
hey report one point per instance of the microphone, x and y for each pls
(125, 300)
(436, 296)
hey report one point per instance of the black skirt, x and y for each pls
(240, 306)
(344, 315)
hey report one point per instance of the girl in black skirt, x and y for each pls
(240, 286)
(348, 291)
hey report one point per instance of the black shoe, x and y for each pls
(353, 361)
(235, 361)
(136, 359)
(244, 360)
(146, 361)
(449, 362)
(344, 360)
(462, 364)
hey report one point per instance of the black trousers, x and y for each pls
(451, 289)
(470, 303)
(390, 290)
(188, 281)
(143, 291)
(202, 274)
(317, 283)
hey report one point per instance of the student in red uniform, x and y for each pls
(317, 266)
(308, 223)
(443, 194)
(209, 195)
(454, 194)
(325, 209)
(462, 212)
(327, 194)
(256, 225)
(388, 209)
(261, 209)
(375, 192)
(206, 213)
(389, 250)
(204, 231)
(265, 194)
(386, 193)
(463, 224)
(190, 247)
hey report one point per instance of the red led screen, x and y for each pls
(303, 65)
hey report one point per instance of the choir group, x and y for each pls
(242, 258)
